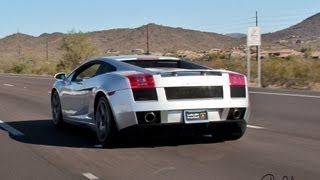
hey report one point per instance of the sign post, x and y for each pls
(254, 39)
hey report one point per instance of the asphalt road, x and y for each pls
(283, 139)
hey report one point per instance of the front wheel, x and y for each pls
(56, 110)
(104, 122)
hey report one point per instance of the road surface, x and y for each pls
(282, 140)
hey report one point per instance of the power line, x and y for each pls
(291, 14)
(267, 22)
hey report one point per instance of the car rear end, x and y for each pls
(195, 99)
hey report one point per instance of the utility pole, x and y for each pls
(254, 39)
(258, 56)
(19, 45)
(47, 50)
(248, 65)
(148, 52)
(256, 18)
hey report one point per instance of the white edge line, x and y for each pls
(90, 176)
(284, 94)
(27, 76)
(10, 129)
(255, 127)
(10, 85)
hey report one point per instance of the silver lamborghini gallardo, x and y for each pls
(111, 94)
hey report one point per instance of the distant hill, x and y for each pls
(21, 45)
(236, 35)
(303, 34)
(161, 39)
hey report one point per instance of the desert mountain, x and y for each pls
(161, 39)
(236, 35)
(303, 34)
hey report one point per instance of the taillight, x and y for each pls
(138, 81)
(237, 80)
(237, 85)
(143, 87)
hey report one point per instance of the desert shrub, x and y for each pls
(297, 73)
(216, 56)
(292, 72)
(233, 65)
(76, 49)
(20, 68)
(306, 52)
(45, 68)
(28, 66)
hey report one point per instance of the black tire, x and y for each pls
(105, 127)
(56, 110)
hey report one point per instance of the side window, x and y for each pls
(87, 72)
(106, 68)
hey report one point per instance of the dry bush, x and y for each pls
(293, 72)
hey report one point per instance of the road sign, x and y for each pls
(254, 36)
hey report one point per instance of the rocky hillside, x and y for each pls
(25, 46)
(236, 35)
(303, 34)
(161, 39)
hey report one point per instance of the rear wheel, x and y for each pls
(56, 109)
(105, 129)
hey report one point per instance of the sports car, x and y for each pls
(111, 94)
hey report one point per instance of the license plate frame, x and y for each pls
(195, 116)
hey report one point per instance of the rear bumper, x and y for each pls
(228, 127)
(171, 112)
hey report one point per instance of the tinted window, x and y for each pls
(87, 72)
(106, 68)
(155, 63)
(166, 64)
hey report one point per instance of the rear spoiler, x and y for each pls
(192, 72)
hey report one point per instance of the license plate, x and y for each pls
(196, 116)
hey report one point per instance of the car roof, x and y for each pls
(139, 57)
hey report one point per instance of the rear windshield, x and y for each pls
(155, 63)
(182, 64)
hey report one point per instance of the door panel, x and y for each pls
(73, 99)
(76, 91)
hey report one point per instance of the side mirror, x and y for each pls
(60, 76)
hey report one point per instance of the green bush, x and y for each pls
(306, 51)
(233, 65)
(292, 72)
(289, 73)
(19, 68)
(216, 56)
(30, 66)
(76, 48)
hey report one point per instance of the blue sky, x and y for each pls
(35, 17)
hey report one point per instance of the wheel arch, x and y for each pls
(100, 94)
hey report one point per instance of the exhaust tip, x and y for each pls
(236, 113)
(150, 117)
